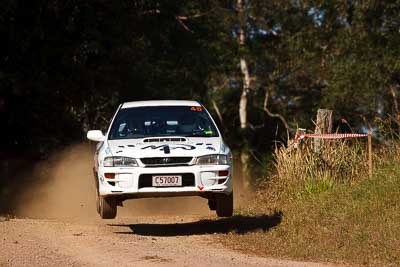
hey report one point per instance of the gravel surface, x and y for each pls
(147, 232)
(137, 241)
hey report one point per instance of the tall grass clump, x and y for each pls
(388, 141)
(303, 170)
(331, 210)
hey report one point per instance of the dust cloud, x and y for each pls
(63, 187)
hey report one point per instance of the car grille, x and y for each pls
(166, 161)
(145, 180)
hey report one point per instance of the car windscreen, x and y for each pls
(152, 121)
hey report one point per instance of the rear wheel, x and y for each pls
(224, 205)
(107, 207)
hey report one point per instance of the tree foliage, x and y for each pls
(66, 65)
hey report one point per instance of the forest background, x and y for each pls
(262, 68)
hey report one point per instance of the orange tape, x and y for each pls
(329, 136)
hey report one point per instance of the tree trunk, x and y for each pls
(245, 171)
(243, 65)
(393, 92)
(219, 114)
(323, 125)
(394, 97)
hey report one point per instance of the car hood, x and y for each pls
(193, 147)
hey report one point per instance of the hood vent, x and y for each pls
(164, 139)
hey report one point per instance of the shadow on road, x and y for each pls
(237, 224)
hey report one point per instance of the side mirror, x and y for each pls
(95, 135)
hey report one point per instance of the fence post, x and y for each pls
(370, 167)
(323, 125)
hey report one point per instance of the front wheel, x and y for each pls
(212, 204)
(225, 205)
(107, 207)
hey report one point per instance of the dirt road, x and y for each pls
(57, 224)
(140, 241)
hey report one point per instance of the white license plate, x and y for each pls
(167, 180)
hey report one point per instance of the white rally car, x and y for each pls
(162, 149)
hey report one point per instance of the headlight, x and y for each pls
(119, 162)
(213, 160)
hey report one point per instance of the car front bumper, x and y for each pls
(127, 181)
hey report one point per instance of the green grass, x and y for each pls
(358, 223)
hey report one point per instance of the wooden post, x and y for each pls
(323, 125)
(370, 167)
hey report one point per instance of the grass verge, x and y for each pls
(357, 223)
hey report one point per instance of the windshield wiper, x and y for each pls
(198, 135)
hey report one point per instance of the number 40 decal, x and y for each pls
(199, 109)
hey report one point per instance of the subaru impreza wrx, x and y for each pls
(161, 149)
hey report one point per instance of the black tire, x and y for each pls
(98, 204)
(107, 207)
(225, 205)
(97, 200)
(212, 204)
(96, 182)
